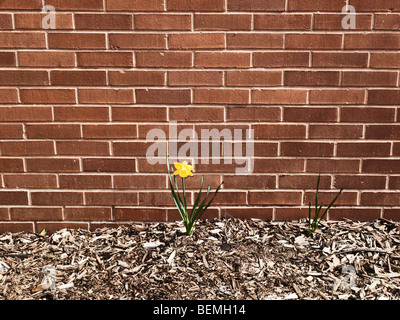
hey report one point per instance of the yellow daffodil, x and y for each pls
(183, 169)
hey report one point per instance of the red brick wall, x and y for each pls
(76, 104)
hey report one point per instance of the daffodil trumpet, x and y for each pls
(184, 170)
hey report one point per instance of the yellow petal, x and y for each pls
(183, 173)
(178, 165)
(176, 172)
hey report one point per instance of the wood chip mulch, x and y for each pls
(225, 259)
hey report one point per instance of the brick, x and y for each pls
(60, 59)
(108, 165)
(137, 78)
(7, 59)
(369, 79)
(11, 131)
(76, 5)
(363, 149)
(139, 114)
(77, 40)
(346, 198)
(53, 131)
(105, 96)
(195, 114)
(334, 21)
(263, 149)
(48, 96)
(137, 41)
(359, 182)
(254, 41)
(313, 41)
(57, 198)
(27, 113)
(196, 41)
(142, 182)
(4, 215)
(140, 214)
(135, 5)
(370, 5)
(332, 166)
(311, 78)
(327, 131)
(16, 227)
(88, 214)
(6, 21)
(279, 131)
(303, 182)
(85, 181)
(256, 5)
(253, 78)
(24, 78)
(281, 59)
(109, 131)
(336, 214)
(279, 96)
(383, 97)
(248, 113)
(340, 59)
(275, 197)
(130, 148)
(159, 198)
(195, 78)
(380, 198)
(387, 22)
(249, 182)
(394, 182)
(383, 132)
(21, 4)
(167, 59)
(36, 214)
(8, 96)
(198, 5)
(222, 60)
(105, 59)
(396, 149)
(337, 96)
(23, 40)
(385, 60)
(374, 41)
(27, 148)
(363, 114)
(52, 165)
(310, 114)
(222, 22)
(163, 96)
(103, 21)
(83, 148)
(246, 213)
(278, 165)
(32, 181)
(194, 182)
(81, 114)
(306, 149)
(310, 5)
(111, 198)
(11, 165)
(163, 21)
(78, 78)
(13, 197)
(284, 22)
(227, 197)
(221, 96)
(63, 21)
(391, 214)
(290, 214)
(381, 166)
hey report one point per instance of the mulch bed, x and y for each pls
(225, 259)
